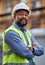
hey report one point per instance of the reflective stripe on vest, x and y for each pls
(7, 50)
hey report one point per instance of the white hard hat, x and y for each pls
(20, 6)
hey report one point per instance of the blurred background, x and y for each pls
(36, 22)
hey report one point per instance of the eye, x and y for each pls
(20, 14)
(26, 14)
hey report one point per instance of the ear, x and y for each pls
(14, 17)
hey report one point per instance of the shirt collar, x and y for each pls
(19, 28)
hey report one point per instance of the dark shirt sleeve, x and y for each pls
(38, 50)
(17, 45)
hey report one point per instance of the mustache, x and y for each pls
(23, 19)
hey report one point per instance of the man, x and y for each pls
(19, 46)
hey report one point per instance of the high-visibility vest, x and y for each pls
(10, 57)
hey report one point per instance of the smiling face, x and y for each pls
(21, 18)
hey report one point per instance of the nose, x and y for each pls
(24, 16)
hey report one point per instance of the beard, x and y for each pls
(22, 22)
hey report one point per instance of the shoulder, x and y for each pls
(11, 33)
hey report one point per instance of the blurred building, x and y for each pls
(36, 20)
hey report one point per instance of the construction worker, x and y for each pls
(19, 46)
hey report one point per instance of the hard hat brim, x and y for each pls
(20, 10)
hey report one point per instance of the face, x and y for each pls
(21, 18)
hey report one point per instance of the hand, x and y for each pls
(35, 44)
(31, 48)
